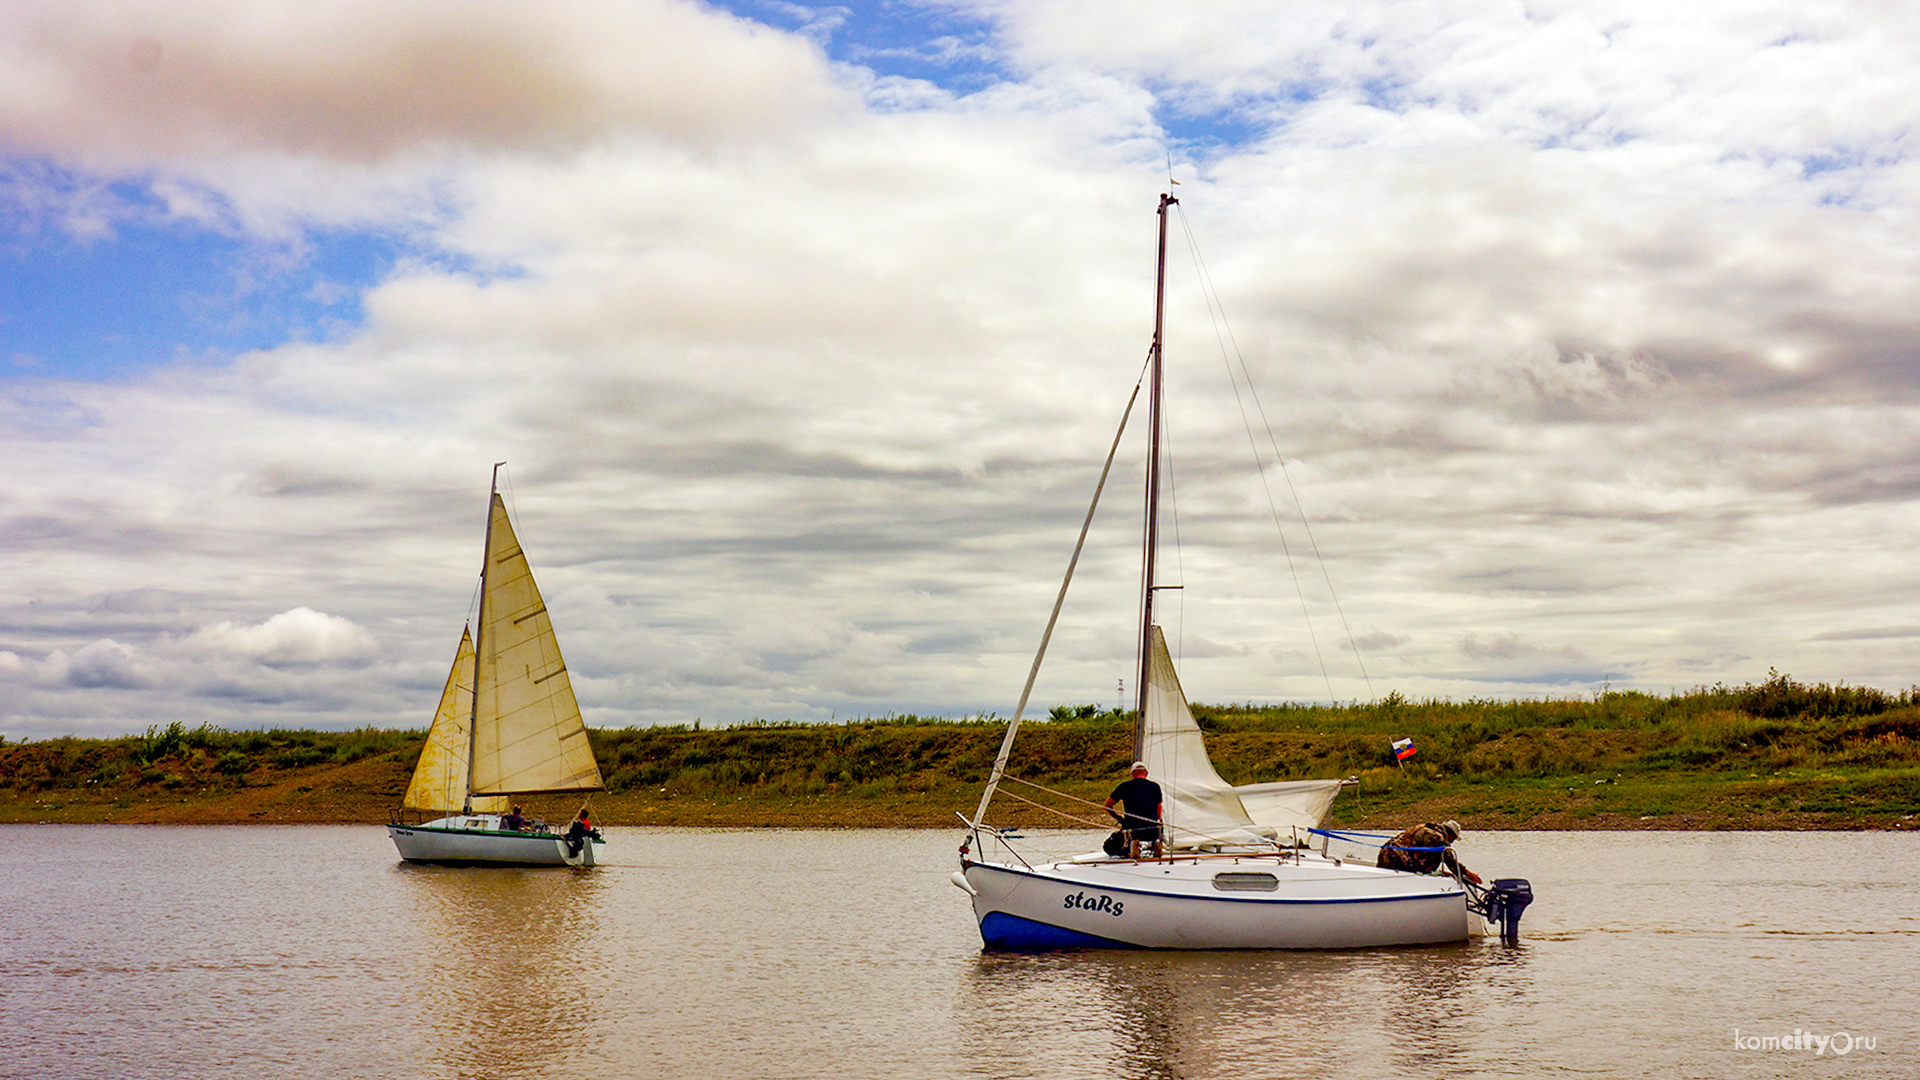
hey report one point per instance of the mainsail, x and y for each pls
(1201, 808)
(440, 779)
(528, 734)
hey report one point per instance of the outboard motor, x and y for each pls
(1507, 900)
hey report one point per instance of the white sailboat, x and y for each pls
(1237, 873)
(507, 726)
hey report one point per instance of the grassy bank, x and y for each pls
(1778, 754)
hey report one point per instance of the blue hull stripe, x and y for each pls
(1003, 931)
(1104, 887)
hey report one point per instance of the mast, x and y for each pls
(479, 635)
(1154, 424)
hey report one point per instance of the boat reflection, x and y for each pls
(504, 959)
(1438, 1003)
(1147, 1015)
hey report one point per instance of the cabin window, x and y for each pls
(1245, 882)
(476, 823)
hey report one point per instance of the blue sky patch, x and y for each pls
(936, 44)
(144, 290)
(958, 53)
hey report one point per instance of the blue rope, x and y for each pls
(1362, 838)
(1338, 835)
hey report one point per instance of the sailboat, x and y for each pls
(507, 726)
(1237, 872)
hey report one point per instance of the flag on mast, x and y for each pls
(1404, 749)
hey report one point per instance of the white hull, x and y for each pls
(479, 841)
(1282, 902)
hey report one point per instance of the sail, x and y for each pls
(528, 734)
(1289, 807)
(1201, 809)
(440, 779)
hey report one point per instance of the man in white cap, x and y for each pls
(1424, 849)
(1140, 798)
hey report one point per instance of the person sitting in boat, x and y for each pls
(1141, 799)
(512, 821)
(1424, 849)
(580, 832)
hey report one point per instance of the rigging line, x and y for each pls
(1217, 314)
(1053, 791)
(1100, 824)
(1033, 673)
(1090, 822)
(1075, 798)
(1305, 524)
(480, 579)
(1173, 501)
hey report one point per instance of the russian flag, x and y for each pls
(1404, 749)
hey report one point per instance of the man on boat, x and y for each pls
(1141, 799)
(514, 821)
(1424, 849)
(580, 832)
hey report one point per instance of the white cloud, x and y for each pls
(366, 79)
(1585, 363)
(299, 636)
(106, 663)
(277, 115)
(102, 664)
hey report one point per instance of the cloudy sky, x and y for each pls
(1588, 335)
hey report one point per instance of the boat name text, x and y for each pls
(1095, 903)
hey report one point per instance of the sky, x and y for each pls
(1585, 337)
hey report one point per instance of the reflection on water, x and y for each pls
(502, 955)
(1151, 1015)
(250, 952)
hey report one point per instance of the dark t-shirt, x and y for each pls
(1141, 799)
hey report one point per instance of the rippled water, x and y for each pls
(261, 951)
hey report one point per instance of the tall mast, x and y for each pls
(479, 635)
(1154, 424)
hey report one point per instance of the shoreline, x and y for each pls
(1777, 757)
(318, 806)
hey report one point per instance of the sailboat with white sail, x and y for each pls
(1237, 872)
(508, 726)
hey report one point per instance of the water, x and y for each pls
(257, 951)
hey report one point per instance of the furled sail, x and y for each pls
(528, 734)
(440, 779)
(1201, 808)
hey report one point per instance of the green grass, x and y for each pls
(1773, 754)
(177, 756)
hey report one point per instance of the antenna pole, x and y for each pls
(1154, 426)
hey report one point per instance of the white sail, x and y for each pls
(440, 779)
(1201, 808)
(1289, 807)
(528, 734)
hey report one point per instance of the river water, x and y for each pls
(310, 951)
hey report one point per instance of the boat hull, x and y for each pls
(1313, 904)
(447, 843)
